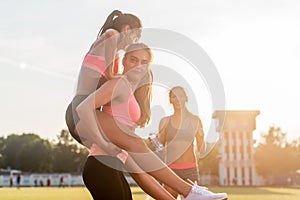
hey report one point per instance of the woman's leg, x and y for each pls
(72, 119)
(149, 184)
(171, 191)
(104, 182)
(142, 155)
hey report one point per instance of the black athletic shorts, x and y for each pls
(103, 177)
(72, 118)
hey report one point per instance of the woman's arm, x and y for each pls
(200, 137)
(149, 184)
(88, 124)
(110, 51)
(162, 130)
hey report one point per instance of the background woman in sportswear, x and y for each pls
(177, 133)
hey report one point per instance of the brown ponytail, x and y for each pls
(109, 21)
(116, 20)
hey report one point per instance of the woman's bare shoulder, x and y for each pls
(111, 32)
(165, 120)
(195, 119)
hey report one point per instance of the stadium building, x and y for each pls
(236, 166)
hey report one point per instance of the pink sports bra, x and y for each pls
(127, 112)
(98, 63)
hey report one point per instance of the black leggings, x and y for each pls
(104, 182)
(71, 117)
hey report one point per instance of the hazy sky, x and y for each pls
(255, 46)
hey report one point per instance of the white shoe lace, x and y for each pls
(198, 189)
(201, 190)
(204, 192)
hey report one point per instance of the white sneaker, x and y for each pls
(201, 193)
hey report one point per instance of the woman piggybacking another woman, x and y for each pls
(101, 64)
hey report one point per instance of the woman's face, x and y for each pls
(136, 64)
(178, 98)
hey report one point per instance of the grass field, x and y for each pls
(81, 193)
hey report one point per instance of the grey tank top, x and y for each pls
(184, 134)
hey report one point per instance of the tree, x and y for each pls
(27, 152)
(294, 147)
(274, 156)
(30, 153)
(68, 155)
(36, 156)
(1, 152)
